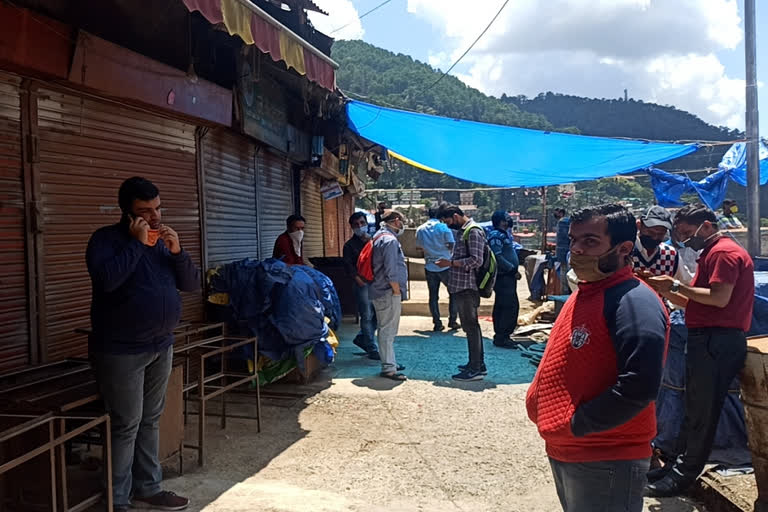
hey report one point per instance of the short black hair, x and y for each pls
(293, 218)
(133, 189)
(729, 202)
(447, 210)
(560, 210)
(695, 214)
(432, 212)
(622, 225)
(356, 216)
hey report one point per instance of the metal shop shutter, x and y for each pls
(87, 148)
(230, 198)
(312, 211)
(15, 336)
(275, 199)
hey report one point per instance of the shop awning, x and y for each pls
(503, 156)
(255, 26)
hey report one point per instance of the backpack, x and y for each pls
(365, 260)
(486, 273)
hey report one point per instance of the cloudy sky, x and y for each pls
(686, 53)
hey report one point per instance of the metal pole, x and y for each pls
(544, 226)
(753, 133)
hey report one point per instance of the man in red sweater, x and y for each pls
(592, 397)
(289, 247)
(718, 312)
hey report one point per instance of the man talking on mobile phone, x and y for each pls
(137, 268)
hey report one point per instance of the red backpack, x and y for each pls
(365, 260)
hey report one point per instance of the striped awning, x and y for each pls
(255, 26)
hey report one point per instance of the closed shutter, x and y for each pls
(87, 148)
(275, 199)
(14, 320)
(312, 211)
(230, 198)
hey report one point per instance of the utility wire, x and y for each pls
(470, 47)
(382, 4)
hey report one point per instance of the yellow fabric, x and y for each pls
(237, 19)
(222, 299)
(413, 162)
(292, 53)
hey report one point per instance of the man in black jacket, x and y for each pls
(137, 267)
(365, 339)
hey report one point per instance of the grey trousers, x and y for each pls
(133, 388)
(388, 309)
(608, 486)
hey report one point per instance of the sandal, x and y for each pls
(393, 376)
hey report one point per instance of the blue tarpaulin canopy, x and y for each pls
(712, 189)
(503, 156)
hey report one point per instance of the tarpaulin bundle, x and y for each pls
(503, 156)
(669, 188)
(284, 306)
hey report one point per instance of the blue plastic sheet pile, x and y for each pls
(284, 306)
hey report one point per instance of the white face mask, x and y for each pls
(296, 238)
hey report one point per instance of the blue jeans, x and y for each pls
(365, 339)
(433, 285)
(607, 486)
(133, 388)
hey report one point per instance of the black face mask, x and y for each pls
(649, 243)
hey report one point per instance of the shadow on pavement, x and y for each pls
(377, 383)
(476, 386)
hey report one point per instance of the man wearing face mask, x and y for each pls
(137, 267)
(718, 313)
(592, 397)
(729, 220)
(389, 288)
(289, 247)
(352, 249)
(651, 256)
(468, 254)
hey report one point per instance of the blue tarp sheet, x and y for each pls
(668, 188)
(503, 156)
(285, 306)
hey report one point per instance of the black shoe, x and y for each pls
(374, 355)
(465, 367)
(505, 344)
(674, 484)
(454, 326)
(468, 376)
(438, 328)
(657, 474)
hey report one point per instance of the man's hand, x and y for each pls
(662, 284)
(139, 229)
(444, 263)
(643, 274)
(171, 239)
(395, 288)
(359, 281)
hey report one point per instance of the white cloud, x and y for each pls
(660, 51)
(340, 13)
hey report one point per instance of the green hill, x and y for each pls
(379, 76)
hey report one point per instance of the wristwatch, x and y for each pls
(675, 286)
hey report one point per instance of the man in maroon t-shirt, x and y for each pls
(718, 313)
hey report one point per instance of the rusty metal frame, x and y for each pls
(208, 387)
(58, 436)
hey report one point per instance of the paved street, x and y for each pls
(361, 443)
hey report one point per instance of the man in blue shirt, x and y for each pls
(506, 306)
(137, 267)
(436, 240)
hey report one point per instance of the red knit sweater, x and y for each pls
(592, 397)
